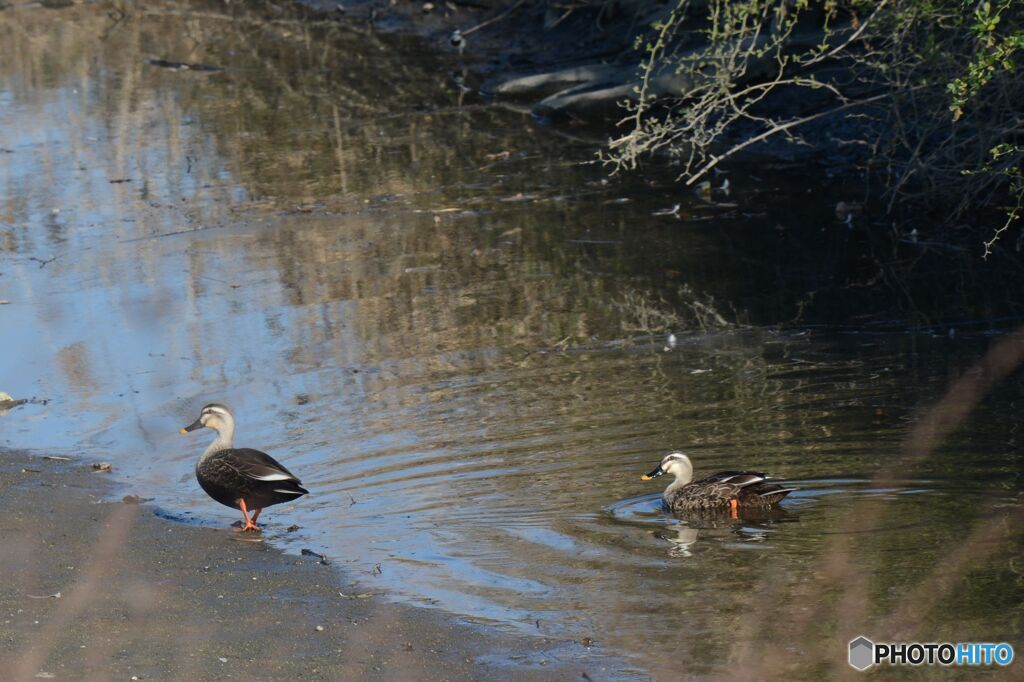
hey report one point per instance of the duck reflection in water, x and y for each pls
(753, 525)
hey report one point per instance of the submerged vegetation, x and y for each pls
(925, 93)
(647, 313)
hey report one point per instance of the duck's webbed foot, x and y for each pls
(250, 524)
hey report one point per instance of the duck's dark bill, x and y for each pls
(193, 426)
(658, 471)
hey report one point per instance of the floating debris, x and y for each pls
(100, 467)
(457, 40)
(57, 458)
(7, 403)
(320, 557)
(845, 211)
(292, 528)
(182, 66)
(55, 595)
(135, 499)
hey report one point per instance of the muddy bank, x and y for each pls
(141, 597)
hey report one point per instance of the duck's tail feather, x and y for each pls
(291, 488)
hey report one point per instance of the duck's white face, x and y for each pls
(675, 463)
(214, 416)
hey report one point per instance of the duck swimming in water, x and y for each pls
(241, 478)
(725, 490)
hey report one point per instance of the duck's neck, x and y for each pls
(225, 439)
(680, 481)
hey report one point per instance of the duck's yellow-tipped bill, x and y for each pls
(182, 430)
(653, 473)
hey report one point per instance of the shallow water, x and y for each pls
(452, 331)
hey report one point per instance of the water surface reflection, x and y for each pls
(425, 306)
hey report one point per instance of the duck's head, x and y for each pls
(213, 416)
(675, 463)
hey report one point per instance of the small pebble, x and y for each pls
(222, 660)
(319, 628)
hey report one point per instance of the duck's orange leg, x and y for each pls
(734, 508)
(249, 523)
(255, 514)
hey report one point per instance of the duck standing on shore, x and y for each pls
(725, 490)
(241, 478)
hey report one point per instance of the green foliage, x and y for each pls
(1005, 161)
(929, 88)
(995, 51)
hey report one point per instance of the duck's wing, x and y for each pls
(257, 466)
(763, 494)
(737, 479)
(771, 489)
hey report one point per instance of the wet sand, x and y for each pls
(144, 597)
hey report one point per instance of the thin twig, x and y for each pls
(43, 263)
(778, 129)
(490, 21)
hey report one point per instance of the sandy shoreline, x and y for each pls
(142, 597)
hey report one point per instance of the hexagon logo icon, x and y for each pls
(862, 653)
